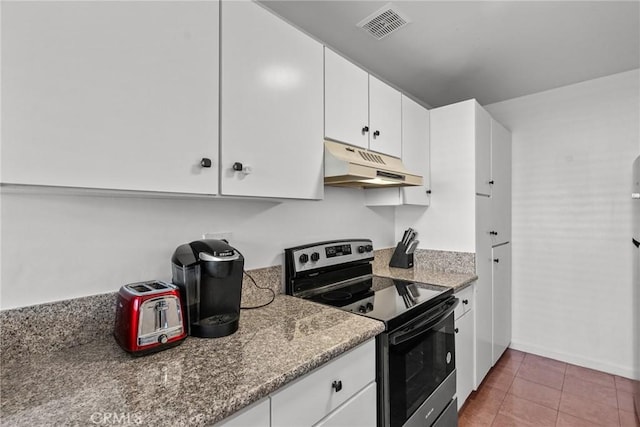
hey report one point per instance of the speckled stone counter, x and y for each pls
(197, 383)
(452, 269)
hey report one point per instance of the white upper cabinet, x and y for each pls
(385, 118)
(359, 109)
(271, 106)
(415, 156)
(501, 188)
(346, 105)
(483, 150)
(415, 150)
(110, 95)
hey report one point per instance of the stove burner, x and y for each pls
(336, 296)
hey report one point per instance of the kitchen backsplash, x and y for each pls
(43, 328)
(40, 329)
(428, 259)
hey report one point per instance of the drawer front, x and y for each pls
(310, 398)
(256, 415)
(359, 411)
(466, 301)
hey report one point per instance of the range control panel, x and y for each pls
(326, 254)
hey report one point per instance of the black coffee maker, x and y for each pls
(209, 275)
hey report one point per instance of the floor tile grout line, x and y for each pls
(591, 400)
(593, 382)
(517, 364)
(584, 419)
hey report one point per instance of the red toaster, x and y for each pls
(148, 317)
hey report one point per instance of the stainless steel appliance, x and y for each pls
(347, 166)
(209, 275)
(148, 317)
(415, 356)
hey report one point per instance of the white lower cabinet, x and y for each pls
(256, 415)
(465, 352)
(359, 411)
(501, 275)
(340, 393)
(308, 400)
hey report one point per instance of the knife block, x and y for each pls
(400, 259)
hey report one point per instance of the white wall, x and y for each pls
(65, 246)
(573, 148)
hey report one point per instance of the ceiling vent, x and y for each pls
(383, 22)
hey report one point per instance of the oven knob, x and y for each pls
(369, 306)
(362, 309)
(368, 248)
(360, 249)
(304, 258)
(162, 339)
(315, 256)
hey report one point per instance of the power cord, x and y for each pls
(273, 294)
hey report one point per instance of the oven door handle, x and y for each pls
(424, 325)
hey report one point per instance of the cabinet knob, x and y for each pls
(428, 191)
(376, 133)
(337, 385)
(456, 330)
(239, 167)
(205, 162)
(491, 182)
(496, 260)
(493, 233)
(465, 301)
(365, 129)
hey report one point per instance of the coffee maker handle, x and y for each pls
(208, 257)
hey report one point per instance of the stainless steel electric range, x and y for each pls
(415, 356)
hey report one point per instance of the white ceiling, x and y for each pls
(488, 50)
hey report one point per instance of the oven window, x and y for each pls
(417, 367)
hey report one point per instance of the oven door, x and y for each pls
(421, 367)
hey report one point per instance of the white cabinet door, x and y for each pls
(113, 95)
(501, 189)
(464, 357)
(501, 299)
(415, 150)
(483, 304)
(415, 156)
(359, 411)
(483, 151)
(346, 101)
(256, 415)
(311, 398)
(385, 118)
(272, 106)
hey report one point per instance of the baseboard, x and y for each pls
(577, 360)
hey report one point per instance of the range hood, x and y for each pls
(347, 166)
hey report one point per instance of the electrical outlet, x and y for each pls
(220, 235)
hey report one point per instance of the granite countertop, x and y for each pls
(197, 383)
(457, 281)
(452, 269)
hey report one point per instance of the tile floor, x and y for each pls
(528, 390)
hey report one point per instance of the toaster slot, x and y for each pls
(139, 288)
(157, 285)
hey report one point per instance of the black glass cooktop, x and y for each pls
(385, 299)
